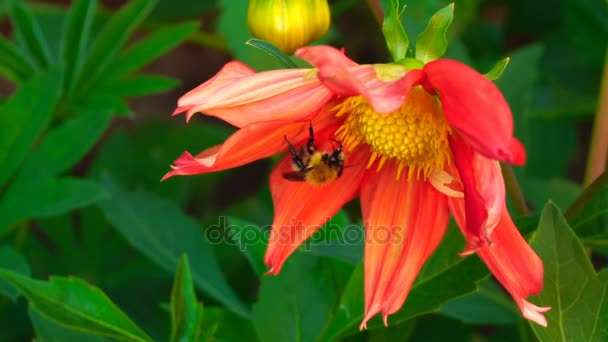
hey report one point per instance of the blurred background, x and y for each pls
(87, 90)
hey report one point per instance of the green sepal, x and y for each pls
(497, 69)
(272, 50)
(410, 63)
(432, 43)
(396, 38)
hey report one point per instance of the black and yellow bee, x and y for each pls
(316, 167)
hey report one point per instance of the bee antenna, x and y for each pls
(337, 142)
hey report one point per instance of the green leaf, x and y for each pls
(296, 305)
(76, 304)
(186, 312)
(576, 294)
(49, 331)
(395, 35)
(432, 43)
(12, 260)
(139, 85)
(445, 277)
(33, 190)
(497, 69)
(488, 305)
(65, 194)
(222, 325)
(75, 38)
(111, 38)
(273, 51)
(251, 240)
(148, 49)
(143, 220)
(23, 118)
(13, 63)
(28, 32)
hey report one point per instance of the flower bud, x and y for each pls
(288, 24)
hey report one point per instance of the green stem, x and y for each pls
(588, 194)
(376, 7)
(598, 149)
(514, 190)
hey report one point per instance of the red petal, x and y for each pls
(511, 260)
(476, 107)
(404, 223)
(476, 211)
(302, 208)
(345, 78)
(253, 142)
(239, 96)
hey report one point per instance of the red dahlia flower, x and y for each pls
(418, 144)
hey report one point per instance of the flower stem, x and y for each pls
(514, 190)
(376, 7)
(588, 194)
(598, 149)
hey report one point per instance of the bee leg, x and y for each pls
(311, 141)
(294, 155)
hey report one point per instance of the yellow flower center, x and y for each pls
(415, 136)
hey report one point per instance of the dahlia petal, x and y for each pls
(475, 204)
(476, 108)
(253, 142)
(241, 97)
(302, 208)
(512, 261)
(404, 223)
(346, 78)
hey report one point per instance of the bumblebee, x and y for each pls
(310, 165)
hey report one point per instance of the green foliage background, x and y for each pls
(94, 248)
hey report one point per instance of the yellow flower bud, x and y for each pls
(288, 24)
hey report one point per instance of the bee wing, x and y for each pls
(295, 176)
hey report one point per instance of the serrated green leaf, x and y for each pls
(395, 35)
(577, 295)
(28, 32)
(75, 38)
(143, 218)
(112, 37)
(148, 49)
(60, 150)
(444, 277)
(48, 330)
(13, 63)
(139, 85)
(432, 43)
(273, 51)
(23, 118)
(76, 304)
(497, 69)
(186, 312)
(11, 259)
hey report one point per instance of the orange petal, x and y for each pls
(476, 107)
(253, 142)
(346, 78)
(239, 96)
(484, 191)
(511, 260)
(404, 223)
(302, 208)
